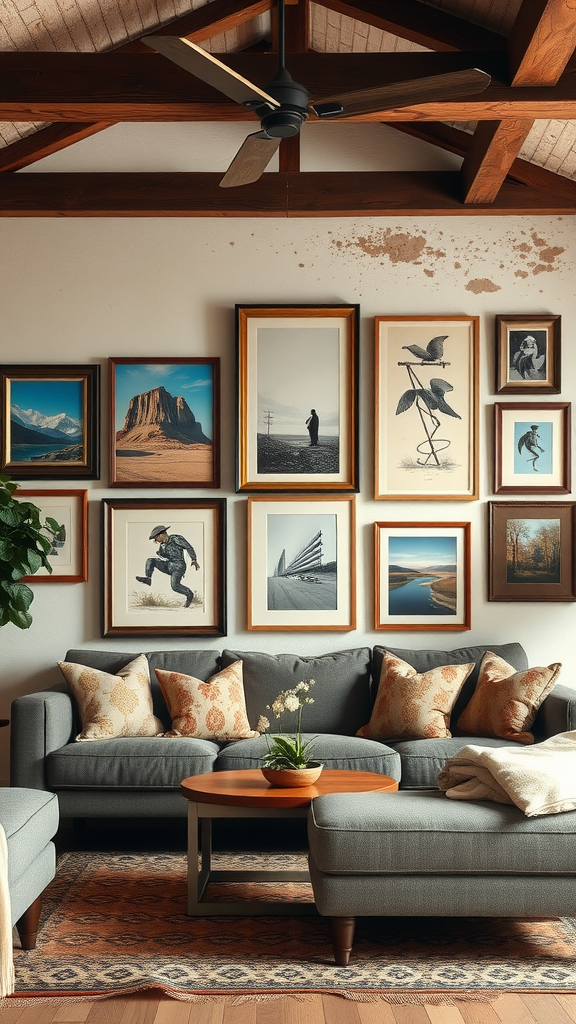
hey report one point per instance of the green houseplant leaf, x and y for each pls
(23, 550)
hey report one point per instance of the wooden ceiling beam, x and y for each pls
(319, 194)
(422, 24)
(297, 41)
(492, 151)
(46, 141)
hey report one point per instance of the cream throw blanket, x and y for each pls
(539, 779)
(6, 961)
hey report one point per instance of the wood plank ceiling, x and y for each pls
(73, 68)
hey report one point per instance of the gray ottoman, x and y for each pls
(30, 820)
(415, 853)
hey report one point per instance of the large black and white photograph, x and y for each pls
(528, 354)
(297, 402)
(301, 565)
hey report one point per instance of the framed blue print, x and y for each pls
(532, 453)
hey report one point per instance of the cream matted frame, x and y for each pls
(426, 408)
(69, 555)
(302, 563)
(532, 461)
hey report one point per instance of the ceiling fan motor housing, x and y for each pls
(284, 122)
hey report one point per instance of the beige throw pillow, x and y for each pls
(412, 704)
(211, 710)
(119, 705)
(505, 702)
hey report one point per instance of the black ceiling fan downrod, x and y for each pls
(293, 97)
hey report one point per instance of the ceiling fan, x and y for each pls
(283, 106)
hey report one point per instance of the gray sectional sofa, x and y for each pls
(140, 777)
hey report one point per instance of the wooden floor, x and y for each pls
(149, 1008)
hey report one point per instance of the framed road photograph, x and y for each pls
(531, 546)
(426, 414)
(165, 422)
(164, 567)
(65, 514)
(50, 424)
(528, 354)
(532, 448)
(297, 398)
(422, 576)
(301, 563)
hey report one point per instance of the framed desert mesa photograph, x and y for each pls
(164, 567)
(297, 415)
(531, 551)
(532, 448)
(301, 563)
(528, 354)
(422, 576)
(50, 423)
(426, 408)
(65, 517)
(165, 422)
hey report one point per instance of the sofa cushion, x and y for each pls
(424, 833)
(30, 819)
(113, 705)
(424, 659)
(414, 704)
(423, 759)
(347, 752)
(505, 702)
(129, 763)
(212, 709)
(341, 691)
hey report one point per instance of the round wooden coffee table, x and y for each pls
(247, 794)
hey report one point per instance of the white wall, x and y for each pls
(84, 290)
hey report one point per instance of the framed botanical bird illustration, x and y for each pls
(426, 377)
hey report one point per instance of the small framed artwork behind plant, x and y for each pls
(50, 425)
(532, 448)
(164, 567)
(165, 422)
(426, 376)
(528, 354)
(422, 577)
(65, 517)
(531, 551)
(297, 415)
(301, 563)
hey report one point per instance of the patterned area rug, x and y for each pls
(114, 922)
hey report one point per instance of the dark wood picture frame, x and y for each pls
(40, 384)
(163, 606)
(76, 536)
(303, 383)
(531, 551)
(168, 462)
(528, 358)
(454, 589)
(516, 443)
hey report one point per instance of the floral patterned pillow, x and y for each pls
(211, 710)
(415, 705)
(505, 702)
(113, 705)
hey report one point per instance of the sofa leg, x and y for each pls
(342, 932)
(27, 925)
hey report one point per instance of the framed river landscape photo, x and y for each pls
(165, 417)
(301, 563)
(50, 422)
(297, 415)
(531, 546)
(426, 408)
(422, 575)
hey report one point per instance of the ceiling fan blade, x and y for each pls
(402, 94)
(251, 160)
(208, 69)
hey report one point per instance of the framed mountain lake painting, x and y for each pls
(532, 448)
(426, 376)
(50, 421)
(297, 402)
(165, 429)
(531, 551)
(422, 576)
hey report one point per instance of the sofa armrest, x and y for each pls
(557, 713)
(40, 723)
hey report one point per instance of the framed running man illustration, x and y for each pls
(164, 567)
(532, 448)
(426, 377)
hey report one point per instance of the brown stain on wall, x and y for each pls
(482, 284)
